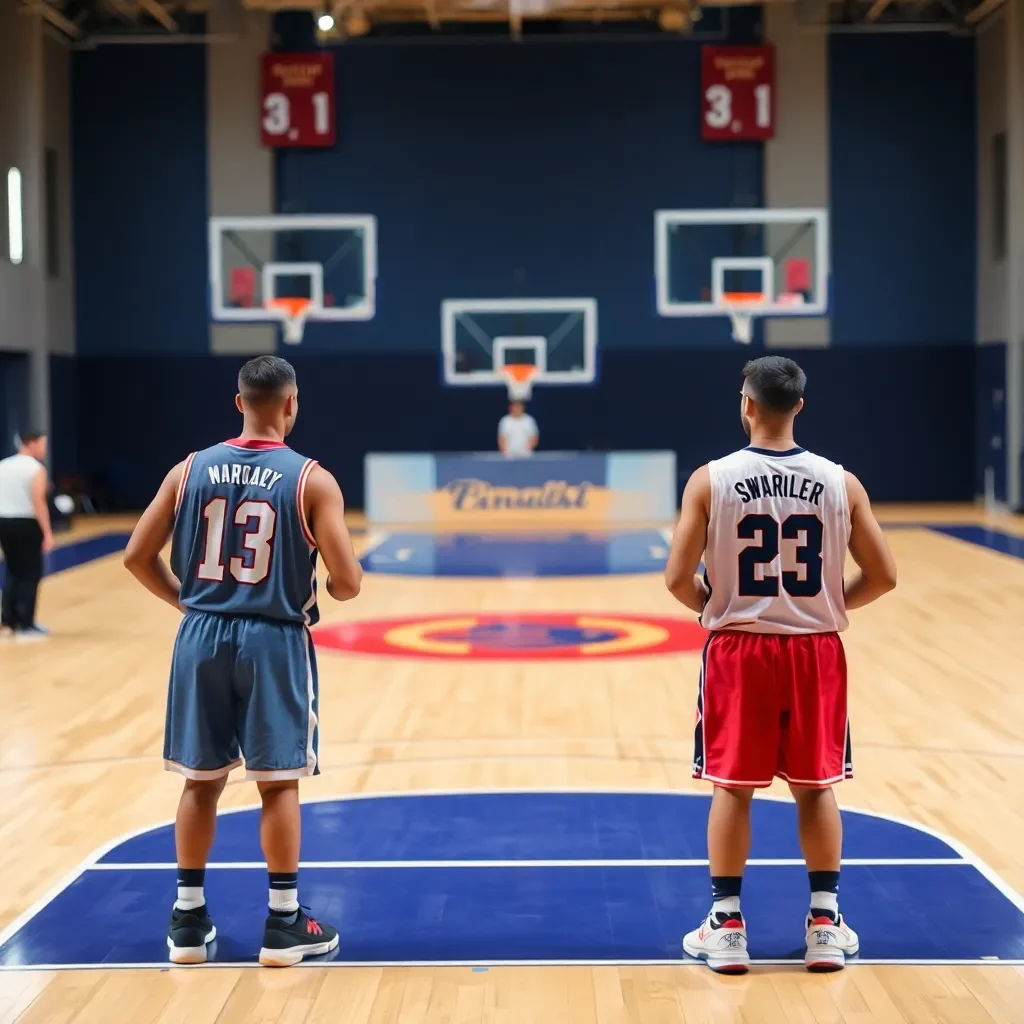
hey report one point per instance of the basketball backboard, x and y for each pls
(742, 264)
(558, 337)
(291, 269)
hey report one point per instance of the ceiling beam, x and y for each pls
(54, 17)
(983, 10)
(156, 11)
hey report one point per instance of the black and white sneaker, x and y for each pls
(287, 938)
(33, 634)
(188, 935)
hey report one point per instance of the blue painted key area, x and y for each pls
(529, 877)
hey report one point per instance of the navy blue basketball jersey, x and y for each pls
(241, 543)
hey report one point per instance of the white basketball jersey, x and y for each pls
(777, 541)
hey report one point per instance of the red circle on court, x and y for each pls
(513, 637)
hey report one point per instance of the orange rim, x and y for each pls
(519, 372)
(294, 307)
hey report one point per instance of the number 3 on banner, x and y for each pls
(277, 110)
(257, 542)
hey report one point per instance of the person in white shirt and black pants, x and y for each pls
(25, 535)
(517, 432)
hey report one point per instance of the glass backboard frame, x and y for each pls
(501, 342)
(716, 304)
(365, 309)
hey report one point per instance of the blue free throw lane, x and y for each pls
(418, 904)
(444, 914)
(983, 536)
(519, 554)
(78, 552)
(529, 826)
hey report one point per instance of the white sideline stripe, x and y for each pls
(376, 865)
(162, 965)
(373, 541)
(991, 876)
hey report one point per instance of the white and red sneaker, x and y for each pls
(830, 940)
(721, 942)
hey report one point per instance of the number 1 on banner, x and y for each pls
(321, 113)
(763, 100)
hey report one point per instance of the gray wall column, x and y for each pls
(796, 161)
(37, 316)
(240, 173)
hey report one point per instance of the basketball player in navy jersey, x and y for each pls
(774, 523)
(246, 518)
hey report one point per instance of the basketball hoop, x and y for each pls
(741, 307)
(519, 377)
(293, 312)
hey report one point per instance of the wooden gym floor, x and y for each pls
(938, 717)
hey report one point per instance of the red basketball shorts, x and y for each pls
(772, 704)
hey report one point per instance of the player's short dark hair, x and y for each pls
(264, 378)
(28, 436)
(775, 383)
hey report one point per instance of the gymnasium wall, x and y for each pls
(992, 276)
(531, 169)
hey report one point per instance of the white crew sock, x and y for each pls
(284, 901)
(190, 897)
(825, 901)
(729, 905)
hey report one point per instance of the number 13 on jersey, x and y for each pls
(297, 99)
(738, 90)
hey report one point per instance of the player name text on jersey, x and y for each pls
(237, 473)
(779, 485)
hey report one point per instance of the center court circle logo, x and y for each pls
(514, 637)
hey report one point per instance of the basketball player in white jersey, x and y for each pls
(774, 523)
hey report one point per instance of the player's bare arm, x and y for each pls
(41, 508)
(150, 536)
(689, 541)
(868, 547)
(325, 510)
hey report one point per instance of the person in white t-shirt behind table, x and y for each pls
(25, 535)
(517, 432)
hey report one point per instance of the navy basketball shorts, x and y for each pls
(242, 688)
(771, 705)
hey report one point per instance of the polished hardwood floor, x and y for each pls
(937, 702)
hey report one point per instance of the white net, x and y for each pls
(742, 326)
(293, 314)
(520, 382)
(293, 329)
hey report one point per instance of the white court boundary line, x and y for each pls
(373, 541)
(100, 852)
(163, 965)
(634, 862)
